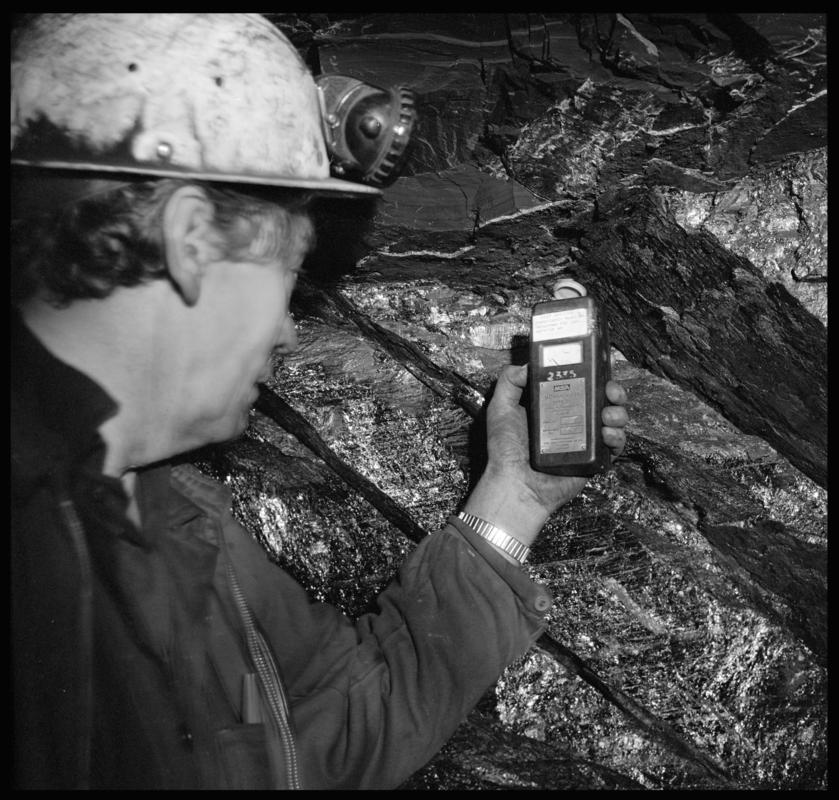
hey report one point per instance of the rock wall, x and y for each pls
(677, 165)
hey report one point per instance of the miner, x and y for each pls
(163, 170)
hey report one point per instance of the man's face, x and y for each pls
(228, 337)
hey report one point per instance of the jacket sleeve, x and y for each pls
(373, 700)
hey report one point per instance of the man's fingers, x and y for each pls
(510, 384)
(614, 438)
(615, 416)
(616, 393)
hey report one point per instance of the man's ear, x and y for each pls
(187, 238)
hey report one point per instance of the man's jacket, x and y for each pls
(177, 655)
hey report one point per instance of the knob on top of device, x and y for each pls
(567, 288)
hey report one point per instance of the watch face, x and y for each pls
(557, 355)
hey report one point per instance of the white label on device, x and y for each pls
(560, 324)
(562, 416)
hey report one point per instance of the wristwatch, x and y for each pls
(513, 547)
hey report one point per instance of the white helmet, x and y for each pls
(219, 97)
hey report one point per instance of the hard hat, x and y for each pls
(218, 97)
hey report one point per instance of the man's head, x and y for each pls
(104, 105)
(159, 248)
(183, 286)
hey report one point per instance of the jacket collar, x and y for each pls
(56, 410)
(56, 413)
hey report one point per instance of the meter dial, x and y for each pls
(558, 355)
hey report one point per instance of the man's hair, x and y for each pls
(115, 238)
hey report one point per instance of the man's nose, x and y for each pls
(287, 340)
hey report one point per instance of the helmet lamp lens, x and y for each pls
(367, 128)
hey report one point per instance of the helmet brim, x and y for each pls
(327, 186)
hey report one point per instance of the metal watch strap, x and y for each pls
(495, 535)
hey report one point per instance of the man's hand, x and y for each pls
(510, 494)
(507, 438)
